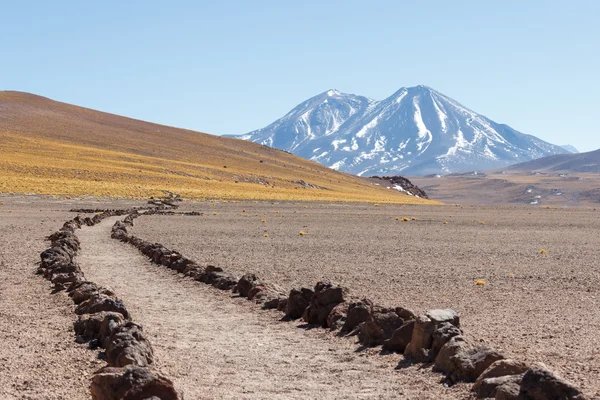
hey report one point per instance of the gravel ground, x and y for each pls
(218, 347)
(39, 358)
(533, 306)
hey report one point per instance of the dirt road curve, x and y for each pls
(215, 346)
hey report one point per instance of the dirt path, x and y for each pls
(215, 346)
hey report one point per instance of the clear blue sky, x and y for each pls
(234, 66)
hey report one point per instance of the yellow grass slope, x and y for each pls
(48, 147)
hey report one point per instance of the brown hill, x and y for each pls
(48, 147)
(565, 163)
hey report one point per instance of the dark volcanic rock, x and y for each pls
(358, 312)
(401, 337)
(380, 326)
(83, 291)
(128, 346)
(102, 302)
(97, 327)
(326, 296)
(337, 316)
(464, 360)
(131, 383)
(297, 302)
(245, 284)
(541, 384)
(405, 184)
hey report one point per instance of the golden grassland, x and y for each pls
(53, 148)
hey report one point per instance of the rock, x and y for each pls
(180, 263)
(272, 303)
(405, 313)
(337, 316)
(541, 384)
(84, 290)
(63, 268)
(210, 274)
(442, 335)
(282, 306)
(128, 346)
(224, 281)
(507, 391)
(245, 284)
(424, 345)
(96, 327)
(464, 360)
(101, 302)
(262, 292)
(488, 387)
(447, 315)
(498, 369)
(326, 296)
(193, 270)
(66, 279)
(401, 337)
(297, 302)
(54, 256)
(131, 383)
(379, 327)
(358, 312)
(422, 339)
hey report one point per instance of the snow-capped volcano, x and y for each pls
(415, 131)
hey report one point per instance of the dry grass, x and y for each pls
(48, 147)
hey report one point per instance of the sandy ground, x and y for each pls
(534, 307)
(216, 346)
(38, 356)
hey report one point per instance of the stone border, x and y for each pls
(104, 322)
(433, 338)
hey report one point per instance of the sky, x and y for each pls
(229, 67)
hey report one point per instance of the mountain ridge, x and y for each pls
(415, 131)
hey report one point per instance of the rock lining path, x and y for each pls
(216, 346)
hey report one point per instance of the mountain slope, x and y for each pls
(416, 131)
(50, 147)
(564, 163)
(569, 148)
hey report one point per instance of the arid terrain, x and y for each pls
(534, 306)
(531, 188)
(530, 307)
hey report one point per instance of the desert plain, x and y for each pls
(524, 281)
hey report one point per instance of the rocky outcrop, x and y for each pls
(405, 184)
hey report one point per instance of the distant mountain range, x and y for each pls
(415, 131)
(563, 163)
